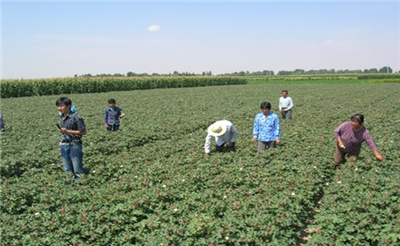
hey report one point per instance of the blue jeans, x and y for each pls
(72, 157)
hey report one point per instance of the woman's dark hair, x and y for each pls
(358, 118)
(266, 105)
(63, 100)
(111, 101)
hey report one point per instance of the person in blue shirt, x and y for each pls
(112, 114)
(266, 129)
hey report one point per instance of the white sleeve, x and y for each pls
(207, 144)
(291, 104)
(234, 134)
(280, 104)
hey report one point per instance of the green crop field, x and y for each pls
(150, 183)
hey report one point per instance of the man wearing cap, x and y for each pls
(224, 133)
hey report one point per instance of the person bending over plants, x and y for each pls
(350, 135)
(266, 129)
(224, 133)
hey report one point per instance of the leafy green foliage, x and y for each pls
(57, 86)
(150, 184)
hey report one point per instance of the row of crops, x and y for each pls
(150, 184)
(57, 86)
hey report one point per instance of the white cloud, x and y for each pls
(154, 28)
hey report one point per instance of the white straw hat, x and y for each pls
(217, 129)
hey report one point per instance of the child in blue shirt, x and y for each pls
(112, 114)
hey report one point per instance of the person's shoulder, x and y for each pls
(76, 116)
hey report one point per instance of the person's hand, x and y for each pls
(278, 142)
(63, 130)
(105, 125)
(122, 115)
(342, 146)
(379, 157)
(254, 139)
(230, 144)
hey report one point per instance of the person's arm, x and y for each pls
(340, 143)
(121, 115)
(337, 133)
(291, 105)
(207, 144)
(280, 104)
(74, 132)
(277, 132)
(234, 134)
(371, 145)
(105, 117)
(255, 130)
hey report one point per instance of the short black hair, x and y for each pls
(111, 101)
(266, 105)
(358, 118)
(285, 91)
(63, 100)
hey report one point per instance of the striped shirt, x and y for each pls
(72, 121)
(266, 129)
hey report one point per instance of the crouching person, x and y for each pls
(225, 134)
(72, 127)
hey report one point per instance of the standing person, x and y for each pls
(1, 121)
(112, 114)
(285, 105)
(266, 129)
(224, 133)
(72, 126)
(349, 136)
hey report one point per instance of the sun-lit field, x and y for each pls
(150, 183)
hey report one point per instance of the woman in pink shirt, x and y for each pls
(349, 136)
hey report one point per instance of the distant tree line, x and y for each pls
(132, 74)
(247, 73)
(333, 71)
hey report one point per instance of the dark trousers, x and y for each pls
(287, 114)
(340, 156)
(113, 128)
(222, 148)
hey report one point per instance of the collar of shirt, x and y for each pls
(266, 116)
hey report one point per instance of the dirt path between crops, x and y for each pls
(305, 232)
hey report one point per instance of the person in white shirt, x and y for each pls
(285, 105)
(224, 133)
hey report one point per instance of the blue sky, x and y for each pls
(59, 39)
